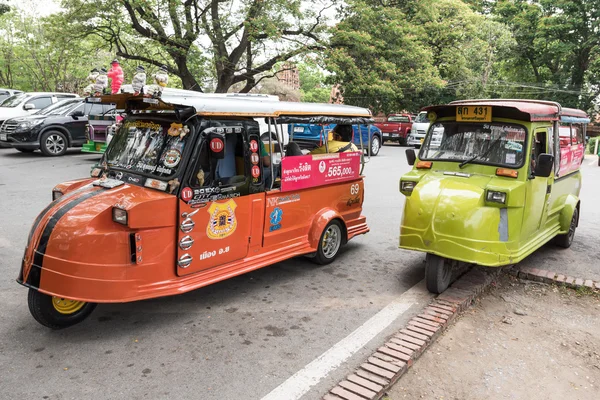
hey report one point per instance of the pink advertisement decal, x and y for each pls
(301, 172)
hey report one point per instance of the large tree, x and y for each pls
(558, 48)
(242, 40)
(399, 55)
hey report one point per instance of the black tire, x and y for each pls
(329, 247)
(566, 240)
(44, 312)
(375, 145)
(22, 150)
(54, 143)
(438, 273)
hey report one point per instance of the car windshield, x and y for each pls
(422, 117)
(147, 147)
(398, 119)
(14, 100)
(482, 143)
(60, 108)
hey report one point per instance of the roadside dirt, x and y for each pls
(522, 340)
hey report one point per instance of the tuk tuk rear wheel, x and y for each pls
(438, 273)
(329, 244)
(56, 312)
(567, 239)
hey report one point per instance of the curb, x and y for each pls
(390, 361)
(542, 275)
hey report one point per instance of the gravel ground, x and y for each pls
(523, 340)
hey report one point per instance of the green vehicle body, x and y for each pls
(447, 213)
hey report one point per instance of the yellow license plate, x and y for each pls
(98, 146)
(474, 114)
(422, 140)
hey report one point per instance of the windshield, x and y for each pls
(147, 147)
(60, 108)
(422, 117)
(398, 119)
(480, 143)
(14, 100)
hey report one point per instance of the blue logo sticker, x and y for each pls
(275, 219)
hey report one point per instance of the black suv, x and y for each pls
(52, 129)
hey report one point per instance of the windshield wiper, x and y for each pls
(485, 153)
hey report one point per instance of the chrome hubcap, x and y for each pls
(375, 146)
(331, 241)
(55, 144)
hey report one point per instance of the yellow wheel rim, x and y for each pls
(66, 306)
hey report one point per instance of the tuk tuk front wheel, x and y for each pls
(56, 312)
(567, 239)
(329, 244)
(438, 272)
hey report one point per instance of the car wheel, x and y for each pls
(53, 143)
(329, 243)
(438, 273)
(22, 150)
(56, 312)
(566, 240)
(375, 145)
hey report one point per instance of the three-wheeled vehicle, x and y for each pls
(501, 179)
(184, 197)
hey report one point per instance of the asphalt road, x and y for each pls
(276, 328)
(237, 339)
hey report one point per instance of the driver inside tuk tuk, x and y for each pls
(342, 141)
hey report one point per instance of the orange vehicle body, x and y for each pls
(77, 251)
(86, 256)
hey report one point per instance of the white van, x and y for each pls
(418, 130)
(23, 104)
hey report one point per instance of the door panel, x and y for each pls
(213, 234)
(538, 191)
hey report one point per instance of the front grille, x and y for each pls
(8, 127)
(420, 132)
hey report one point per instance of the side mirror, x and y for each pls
(29, 106)
(545, 162)
(78, 113)
(411, 156)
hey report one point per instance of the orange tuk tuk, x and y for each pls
(183, 197)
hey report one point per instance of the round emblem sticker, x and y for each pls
(172, 158)
(255, 171)
(253, 146)
(187, 194)
(216, 145)
(322, 166)
(254, 158)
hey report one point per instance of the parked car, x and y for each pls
(396, 128)
(6, 93)
(53, 129)
(23, 104)
(418, 130)
(306, 135)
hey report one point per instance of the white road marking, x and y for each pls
(593, 162)
(302, 381)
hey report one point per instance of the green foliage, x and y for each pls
(377, 59)
(592, 144)
(312, 84)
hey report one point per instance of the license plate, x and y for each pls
(98, 146)
(3, 136)
(298, 129)
(422, 140)
(474, 114)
